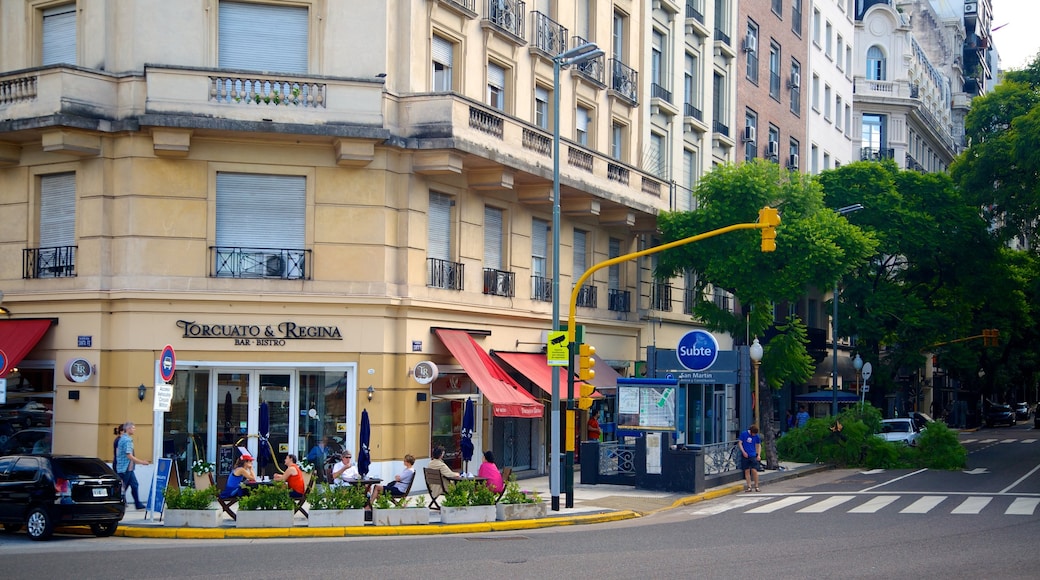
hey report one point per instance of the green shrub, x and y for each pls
(939, 448)
(339, 497)
(513, 493)
(187, 498)
(268, 497)
(881, 454)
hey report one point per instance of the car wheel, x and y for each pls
(39, 524)
(104, 529)
(12, 528)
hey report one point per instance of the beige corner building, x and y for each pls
(326, 207)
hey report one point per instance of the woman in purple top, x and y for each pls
(489, 470)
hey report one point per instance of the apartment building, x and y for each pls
(829, 129)
(330, 207)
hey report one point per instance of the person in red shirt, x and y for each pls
(593, 428)
(293, 476)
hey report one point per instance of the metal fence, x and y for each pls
(617, 458)
(719, 457)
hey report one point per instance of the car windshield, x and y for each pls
(896, 427)
(81, 466)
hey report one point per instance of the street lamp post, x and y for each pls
(756, 359)
(857, 363)
(576, 55)
(834, 326)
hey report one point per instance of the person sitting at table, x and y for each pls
(490, 471)
(345, 471)
(242, 473)
(293, 476)
(437, 462)
(402, 481)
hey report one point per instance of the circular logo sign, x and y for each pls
(425, 372)
(3, 363)
(78, 370)
(167, 363)
(697, 350)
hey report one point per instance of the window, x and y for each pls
(774, 71)
(816, 27)
(796, 17)
(750, 129)
(581, 125)
(655, 160)
(773, 143)
(839, 54)
(816, 92)
(826, 161)
(848, 61)
(59, 35)
(837, 112)
(829, 40)
(442, 271)
(815, 160)
(493, 238)
(617, 140)
(618, 37)
(247, 40)
(778, 7)
(657, 71)
(443, 57)
(541, 107)
(794, 149)
(796, 87)
(57, 235)
(875, 64)
(261, 225)
(751, 49)
(690, 96)
(827, 102)
(581, 239)
(848, 118)
(541, 285)
(691, 173)
(581, 21)
(496, 86)
(720, 102)
(873, 136)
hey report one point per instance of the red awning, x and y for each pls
(536, 368)
(507, 398)
(17, 338)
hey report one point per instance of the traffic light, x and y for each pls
(990, 337)
(770, 217)
(586, 362)
(585, 396)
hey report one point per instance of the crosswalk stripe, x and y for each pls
(822, 506)
(972, 505)
(712, 509)
(778, 505)
(1022, 506)
(1029, 441)
(874, 504)
(969, 441)
(1009, 440)
(987, 441)
(923, 505)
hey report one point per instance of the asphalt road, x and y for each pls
(847, 523)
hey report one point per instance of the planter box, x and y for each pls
(335, 518)
(264, 519)
(202, 481)
(400, 516)
(191, 518)
(520, 511)
(470, 514)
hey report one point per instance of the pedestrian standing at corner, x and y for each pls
(750, 450)
(118, 432)
(126, 461)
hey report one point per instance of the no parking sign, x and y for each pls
(167, 363)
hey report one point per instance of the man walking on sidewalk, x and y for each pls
(751, 450)
(126, 460)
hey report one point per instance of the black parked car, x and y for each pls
(44, 491)
(1000, 415)
(1022, 411)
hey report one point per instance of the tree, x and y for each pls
(814, 246)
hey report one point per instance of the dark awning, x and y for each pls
(17, 338)
(507, 398)
(827, 397)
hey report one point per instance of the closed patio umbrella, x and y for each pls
(466, 444)
(263, 450)
(228, 435)
(364, 456)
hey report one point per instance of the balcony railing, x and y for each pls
(688, 300)
(659, 92)
(241, 90)
(466, 4)
(499, 283)
(507, 15)
(619, 300)
(549, 36)
(56, 262)
(723, 301)
(591, 69)
(691, 111)
(580, 159)
(541, 288)
(720, 128)
(872, 154)
(587, 296)
(695, 10)
(660, 296)
(287, 264)
(618, 173)
(721, 36)
(444, 274)
(18, 89)
(486, 122)
(624, 80)
(538, 142)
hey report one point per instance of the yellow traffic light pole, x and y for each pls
(768, 220)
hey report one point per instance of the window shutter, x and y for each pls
(439, 227)
(493, 238)
(59, 35)
(442, 51)
(582, 119)
(263, 37)
(58, 210)
(580, 241)
(261, 211)
(496, 76)
(614, 272)
(539, 247)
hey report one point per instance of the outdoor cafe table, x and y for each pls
(458, 478)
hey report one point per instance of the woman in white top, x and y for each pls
(345, 470)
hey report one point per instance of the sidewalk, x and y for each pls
(592, 504)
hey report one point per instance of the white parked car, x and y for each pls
(901, 430)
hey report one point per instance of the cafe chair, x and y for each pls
(435, 485)
(225, 503)
(399, 501)
(506, 474)
(308, 485)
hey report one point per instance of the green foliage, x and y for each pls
(187, 498)
(384, 502)
(939, 448)
(420, 501)
(468, 492)
(338, 497)
(267, 497)
(513, 493)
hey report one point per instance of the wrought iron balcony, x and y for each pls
(56, 262)
(723, 300)
(286, 264)
(660, 296)
(659, 92)
(444, 274)
(871, 154)
(549, 36)
(591, 69)
(720, 128)
(619, 300)
(541, 288)
(507, 15)
(624, 80)
(587, 296)
(695, 10)
(691, 111)
(689, 299)
(499, 283)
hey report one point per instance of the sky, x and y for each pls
(1018, 40)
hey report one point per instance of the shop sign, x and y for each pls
(258, 334)
(425, 372)
(78, 370)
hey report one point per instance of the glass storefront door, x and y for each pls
(274, 421)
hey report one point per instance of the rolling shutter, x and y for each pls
(439, 234)
(59, 35)
(580, 242)
(261, 211)
(263, 37)
(492, 238)
(58, 210)
(442, 51)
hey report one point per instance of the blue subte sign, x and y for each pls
(697, 350)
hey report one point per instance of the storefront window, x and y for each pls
(27, 417)
(323, 411)
(449, 398)
(187, 423)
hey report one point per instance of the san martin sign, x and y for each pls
(259, 335)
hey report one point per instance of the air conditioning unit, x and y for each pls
(792, 162)
(750, 43)
(796, 80)
(749, 134)
(971, 7)
(772, 149)
(274, 266)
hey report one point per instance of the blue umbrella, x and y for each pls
(466, 444)
(364, 456)
(263, 450)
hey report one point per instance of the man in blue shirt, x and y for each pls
(802, 417)
(750, 450)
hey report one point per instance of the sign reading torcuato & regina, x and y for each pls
(259, 334)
